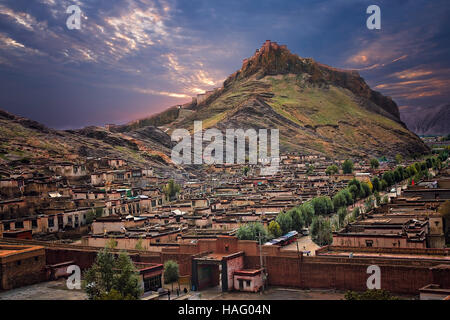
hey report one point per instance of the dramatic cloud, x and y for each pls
(133, 58)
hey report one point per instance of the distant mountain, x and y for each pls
(318, 109)
(433, 120)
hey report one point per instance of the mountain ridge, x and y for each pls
(319, 109)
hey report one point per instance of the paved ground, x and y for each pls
(272, 293)
(53, 290)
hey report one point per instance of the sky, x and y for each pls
(134, 58)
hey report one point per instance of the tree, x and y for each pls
(374, 164)
(348, 196)
(366, 191)
(333, 169)
(356, 189)
(275, 229)
(342, 213)
(398, 158)
(321, 232)
(171, 272)
(252, 231)
(112, 278)
(339, 200)
(307, 212)
(171, 189)
(298, 221)
(384, 184)
(347, 167)
(285, 222)
(376, 184)
(322, 205)
(126, 281)
(388, 176)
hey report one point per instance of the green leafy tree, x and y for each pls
(322, 205)
(376, 183)
(285, 221)
(171, 272)
(348, 196)
(339, 200)
(275, 229)
(366, 191)
(298, 221)
(398, 158)
(374, 164)
(126, 279)
(356, 189)
(333, 169)
(388, 176)
(112, 278)
(342, 213)
(252, 231)
(347, 167)
(308, 213)
(321, 232)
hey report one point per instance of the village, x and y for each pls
(317, 223)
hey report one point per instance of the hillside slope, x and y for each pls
(318, 109)
(26, 141)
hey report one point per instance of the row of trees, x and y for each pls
(316, 212)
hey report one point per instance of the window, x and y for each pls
(369, 243)
(19, 262)
(51, 222)
(34, 223)
(19, 225)
(6, 226)
(248, 282)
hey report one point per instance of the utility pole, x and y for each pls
(261, 261)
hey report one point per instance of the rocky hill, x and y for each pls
(318, 109)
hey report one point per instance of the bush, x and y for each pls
(370, 295)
